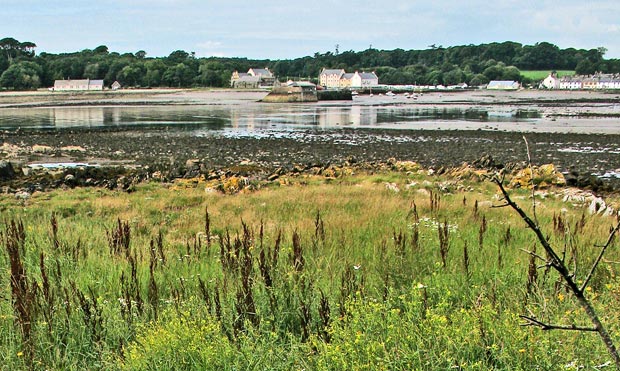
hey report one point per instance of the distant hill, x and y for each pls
(21, 68)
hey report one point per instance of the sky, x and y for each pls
(286, 29)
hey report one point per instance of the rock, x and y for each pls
(73, 149)
(6, 171)
(22, 195)
(597, 206)
(41, 148)
(487, 162)
(542, 176)
(392, 187)
(70, 179)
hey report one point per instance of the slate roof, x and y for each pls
(260, 72)
(368, 76)
(332, 72)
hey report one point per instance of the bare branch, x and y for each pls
(499, 206)
(561, 268)
(600, 256)
(529, 164)
(534, 255)
(531, 321)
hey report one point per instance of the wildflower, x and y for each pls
(20, 354)
(561, 297)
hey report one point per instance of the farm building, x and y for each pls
(334, 78)
(503, 85)
(78, 85)
(254, 78)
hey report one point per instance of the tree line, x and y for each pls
(22, 69)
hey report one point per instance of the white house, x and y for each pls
(364, 80)
(609, 82)
(78, 85)
(570, 82)
(551, 82)
(503, 85)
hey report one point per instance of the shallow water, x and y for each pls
(255, 117)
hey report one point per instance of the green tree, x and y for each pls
(179, 75)
(479, 79)
(454, 77)
(131, 75)
(22, 75)
(511, 73)
(154, 71)
(585, 67)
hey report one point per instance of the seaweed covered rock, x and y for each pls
(542, 177)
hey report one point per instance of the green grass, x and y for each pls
(541, 75)
(392, 304)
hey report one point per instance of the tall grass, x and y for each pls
(345, 275)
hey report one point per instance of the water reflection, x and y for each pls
(253, 117)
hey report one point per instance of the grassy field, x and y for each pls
(540, 75)
(365, 272)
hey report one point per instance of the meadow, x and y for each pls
(542, 74)
(375, 271)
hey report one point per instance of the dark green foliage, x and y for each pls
(473, 64)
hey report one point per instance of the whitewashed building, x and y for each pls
(570, 83)
(364, 80)
(551, 82)
(503, 85)
(78, 85)
(333, 78)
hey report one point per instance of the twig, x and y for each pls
(561, 268)
(531, 321)
(600, 256)
(529, 164)
(534, 255)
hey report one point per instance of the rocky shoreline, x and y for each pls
(118, 157)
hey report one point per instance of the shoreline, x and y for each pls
(173, 152)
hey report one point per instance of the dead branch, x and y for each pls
(560, 267)
(531, 321)
(600, 256)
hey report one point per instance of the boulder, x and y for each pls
(6, 171)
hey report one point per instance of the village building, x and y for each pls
(551, 82)
(116, 85)
(78, 85)
(266, 77)
(346, 81)
(609, 82)
(503, 85)
(590, 82)
(253, 79)
(570, 83)
(364, 80)
(330, 78)
(340, 79)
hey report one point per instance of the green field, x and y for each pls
(540, 75)
(383, 271)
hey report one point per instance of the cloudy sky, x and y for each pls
(277, 29)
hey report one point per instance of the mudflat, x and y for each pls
(578, 131)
